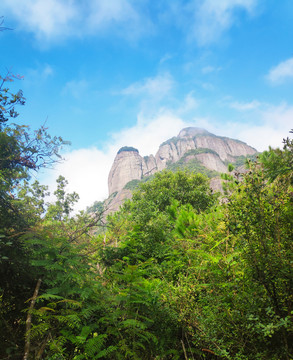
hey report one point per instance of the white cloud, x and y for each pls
(210, 69)
(279, 118)
(165, 58)
(212, 18)
(75, 88)
(281, 72)
(47, 71)
(156, 87)
(86, 171)
(45, 19)
(208, 86)
(149, 133)
(262, 128)
(105, 13)
(58, 19)
(38, 75)
(189, 104)
(245, 106)
(55, 20)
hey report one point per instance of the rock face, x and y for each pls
(113, 204)
(127, 166)
(195, 138)
(212, 162)
(212, 151)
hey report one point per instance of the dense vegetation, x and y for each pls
(179, 273)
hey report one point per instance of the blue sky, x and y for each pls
(104, 74)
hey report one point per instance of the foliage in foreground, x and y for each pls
(177, 274)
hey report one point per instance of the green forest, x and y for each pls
(179, 272)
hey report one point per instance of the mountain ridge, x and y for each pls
(191, 144)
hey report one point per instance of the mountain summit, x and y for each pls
(192, 145)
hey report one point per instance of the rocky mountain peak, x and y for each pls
(127, 166)
(192, 144)
(192, 131)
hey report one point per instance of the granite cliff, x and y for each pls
(192, 144)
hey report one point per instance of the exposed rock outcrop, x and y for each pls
(127, 166)
(195, 138)
(112, 204)
(212, 162)
(213, 152)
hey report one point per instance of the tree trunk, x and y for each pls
(28, 323)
